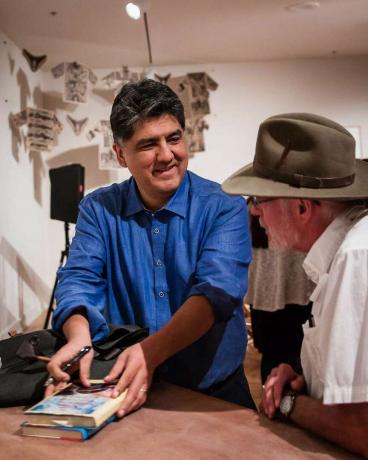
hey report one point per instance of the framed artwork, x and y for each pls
(355, 132)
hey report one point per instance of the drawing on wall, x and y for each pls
(77, 125)
(193, 90)
(42, 128)
(34, 62)
(106, 155)
(163, 78)
(194, 134)
(76, 80)
(118, 78)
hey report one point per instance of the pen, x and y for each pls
(83, 351)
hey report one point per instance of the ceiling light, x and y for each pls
(302, 6)
(133, 10)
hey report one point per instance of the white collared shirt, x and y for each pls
(335, 352)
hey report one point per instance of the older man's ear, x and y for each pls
(119, 155)
(305, 210)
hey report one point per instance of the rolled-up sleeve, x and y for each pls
(82, 282)
(222, 268)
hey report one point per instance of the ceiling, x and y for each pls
(100, 34)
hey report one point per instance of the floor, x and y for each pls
(251, 365)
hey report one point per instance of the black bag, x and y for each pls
(23, 383)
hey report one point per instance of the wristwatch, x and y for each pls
(287, 404)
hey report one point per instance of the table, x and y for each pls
(175, 423)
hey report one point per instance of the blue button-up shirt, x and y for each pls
(128, 265)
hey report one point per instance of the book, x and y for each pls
(76, 406)
(65, 433)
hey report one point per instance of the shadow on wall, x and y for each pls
(87, 157)
(39, 174)
(26, 275)
(51, 100)
(25, 91)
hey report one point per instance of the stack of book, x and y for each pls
(75, 413)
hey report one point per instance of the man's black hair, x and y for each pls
(139, 101)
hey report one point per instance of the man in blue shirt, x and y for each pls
(165, 249)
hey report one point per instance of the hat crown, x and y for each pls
(305, 150)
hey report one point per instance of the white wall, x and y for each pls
(26, 261)
(30, 243)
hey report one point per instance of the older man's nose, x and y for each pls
(255, 210)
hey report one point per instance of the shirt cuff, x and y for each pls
(222, 303)
(97, 323)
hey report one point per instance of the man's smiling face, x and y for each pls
(157, 157)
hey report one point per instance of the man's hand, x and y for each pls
(273, 389)
(135, 374)
(65, 354)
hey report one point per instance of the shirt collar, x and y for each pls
(177, 204)
(321, 254)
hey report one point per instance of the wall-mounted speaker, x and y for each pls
(67, 189)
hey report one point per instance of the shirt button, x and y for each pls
(156, 231)
(161, 294)
(158, 262)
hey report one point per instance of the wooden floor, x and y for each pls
(251, 365)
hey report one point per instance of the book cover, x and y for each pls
(76, 405)
(65, 433)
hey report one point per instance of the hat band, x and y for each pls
(298, 180)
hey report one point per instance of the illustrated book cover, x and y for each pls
(76, 406)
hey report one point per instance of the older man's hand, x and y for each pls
(280, 377)
(135, 374)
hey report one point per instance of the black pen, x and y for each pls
(83, 351)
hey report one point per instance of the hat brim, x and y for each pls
(245, 182)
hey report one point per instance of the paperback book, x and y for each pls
(76, 406)
(65, 433)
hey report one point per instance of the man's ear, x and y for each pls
(119, 155)
(305, 209)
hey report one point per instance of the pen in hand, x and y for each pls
(83, 351)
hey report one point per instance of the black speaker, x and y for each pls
(67, 189)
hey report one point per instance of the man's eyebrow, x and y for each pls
(148, 140)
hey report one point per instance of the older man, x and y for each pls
(165, 250)
(308, 192)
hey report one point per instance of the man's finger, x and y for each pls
(84, 368)
(137, 391)
(117, 369)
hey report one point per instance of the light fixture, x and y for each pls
(302, 6)
(134, 10)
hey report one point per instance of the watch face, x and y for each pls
(286, 404)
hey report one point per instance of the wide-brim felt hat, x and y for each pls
(301, 155)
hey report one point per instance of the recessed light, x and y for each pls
(302, 6)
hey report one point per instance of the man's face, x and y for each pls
(274, 217)
(157, 157)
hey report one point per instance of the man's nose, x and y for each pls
(255, 211)
(165, 153)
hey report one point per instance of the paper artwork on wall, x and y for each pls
(194, 134)
(193, 90)
(42, 128)
(34, 62)
(163, 78)
(76, 80)
(106, 155)
(117, 79)
(77, 125)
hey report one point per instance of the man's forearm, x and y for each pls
(343, 424)
(76, 328)
(190, 322)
